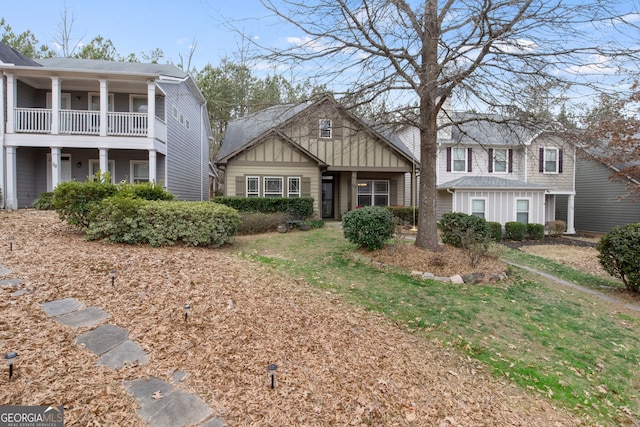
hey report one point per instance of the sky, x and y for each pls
(135, 26)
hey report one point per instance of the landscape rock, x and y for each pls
(456, 279)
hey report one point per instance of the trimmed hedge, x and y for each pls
(368, 227)
(619, 254)
(535, 231)
(72, 200)
(301, 206)
(130, 220)
(515, 231)
(455, 226)
(496, 230)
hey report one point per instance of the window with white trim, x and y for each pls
(373, 193)
(325, 128)
(293, 186)
(551, 160)
(500, 160)
(94, 167)
(522, 210)
(273, 186)
(459, 159)
(253, 186)
(478, 208)
(138, 104)
(139, 171)
(94, 101)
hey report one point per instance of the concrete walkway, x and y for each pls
(160, 403)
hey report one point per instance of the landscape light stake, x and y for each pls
(187, 307)
(272, 372)
(10, 358)
(112, 273)
(11, 240)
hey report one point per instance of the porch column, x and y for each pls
(354, 190)
(55, 107)
(104, 160)
(570, 215)
(56, 171)
(151, 110)
(11, 196)
(152, 166)
(12, 88)
(104, 107)
(2, 138)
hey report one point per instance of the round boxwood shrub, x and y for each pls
(515, 231)
(620, 254)
(368, 227)
(458, 226)
(535, 231)
(496, 230)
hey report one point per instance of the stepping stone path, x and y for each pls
(160, 403)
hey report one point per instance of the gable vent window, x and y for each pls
(325, 128)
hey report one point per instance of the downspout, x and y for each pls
(3, 193)
(453, 199)
(202, 106)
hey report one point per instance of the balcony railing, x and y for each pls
(81, 122)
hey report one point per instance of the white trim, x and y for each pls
(246, 186)
(544, 160)
(506, 161)
(515, 207)
(289, 180)
(484, 203)
(137, 96)
(112, 169)
(466, 159)
(132, 163)
(272, 194)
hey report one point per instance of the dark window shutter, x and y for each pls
(306, 186)
(541, 160)
(510, 160)
(240, 186)
(393, 193)
(448, 159)
(490, 159)
(469, 152)
(560, 160)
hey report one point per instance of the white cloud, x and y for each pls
(598, 64)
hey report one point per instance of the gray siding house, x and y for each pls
(500, 172)
(315, 149)
(65, 119)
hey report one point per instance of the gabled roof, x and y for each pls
(242, 132)
(489, 130)
(489, 182)
(93, 65)
(9, 55)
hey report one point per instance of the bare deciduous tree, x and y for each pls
(414, 56)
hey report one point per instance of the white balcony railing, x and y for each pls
(82, 122)
(32, 120)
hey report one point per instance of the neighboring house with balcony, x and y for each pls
(65, 119)
(314, 149)
(501, 172)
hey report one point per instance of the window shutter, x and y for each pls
(393, 193)
(240, 186)
(448, 159)
(560, 160)
(490, 159)
(306, 186)
(510, 154)
(541, 160)
(469, 151)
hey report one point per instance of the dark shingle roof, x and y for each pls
(489, 130)
(9, 55)
(168, 70)
(489, 182)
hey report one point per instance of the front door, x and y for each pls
(328, 190)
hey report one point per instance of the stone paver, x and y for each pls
(4, 271)
(161, 405)
(19, 293)
(127, 352)
(62, 306)
(85, 317)
(103, 338)
(9, 283)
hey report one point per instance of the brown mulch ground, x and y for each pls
(338, 365)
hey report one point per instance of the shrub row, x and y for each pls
(301, 207)
(520, 231)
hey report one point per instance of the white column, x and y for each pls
(152, 166)
(56, 171)
(11, 197)
(570, 215)
(55, 106)
(11, 102)
(104, 160)
(151, 108)
(2, 138)
(104, 107)
(354, 190)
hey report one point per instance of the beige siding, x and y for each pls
(480, 164)
(557, 182)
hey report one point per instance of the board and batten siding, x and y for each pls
(187, 148)
(500, 206)
(600, 203)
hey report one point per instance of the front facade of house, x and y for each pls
(314, 150)
(503, 173)
(66, 119)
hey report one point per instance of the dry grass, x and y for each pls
(338, 365)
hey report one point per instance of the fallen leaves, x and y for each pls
(337, 364)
